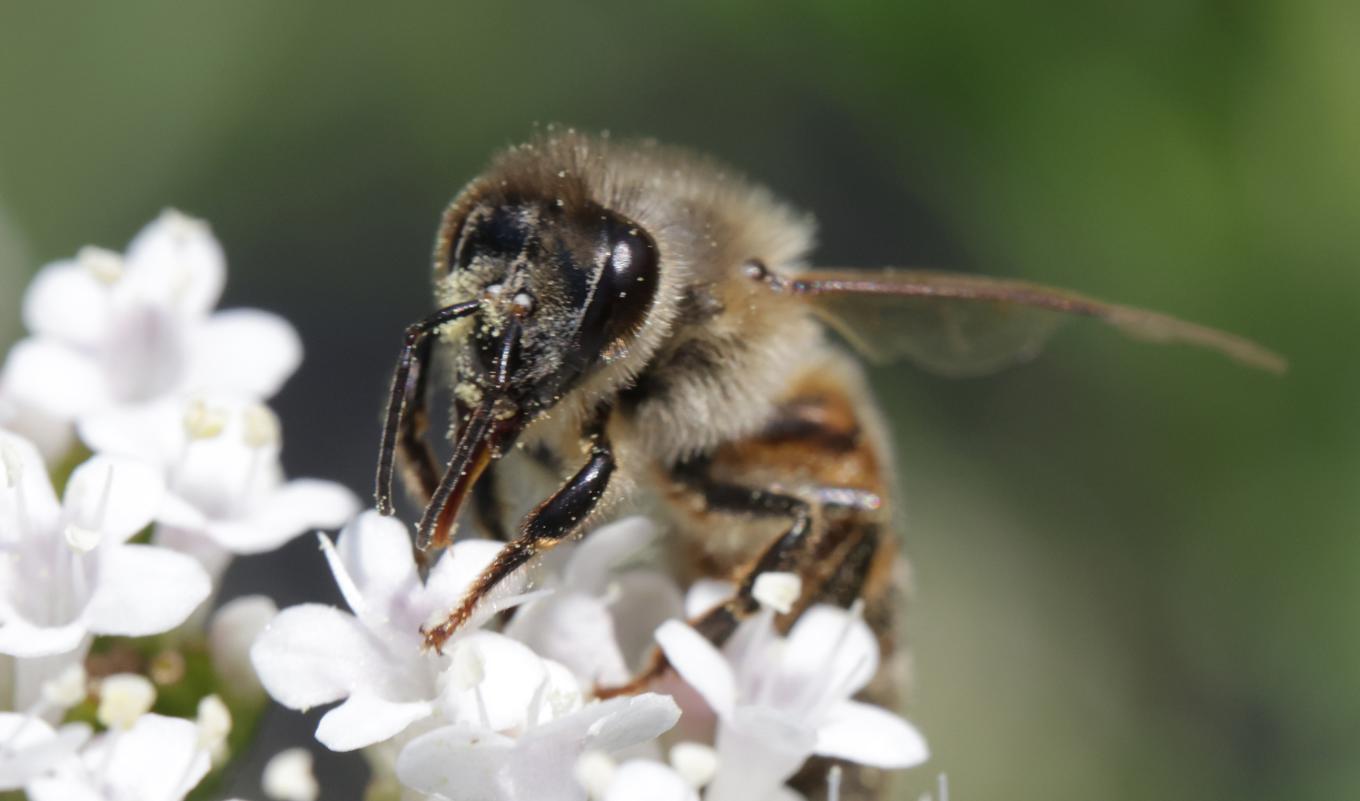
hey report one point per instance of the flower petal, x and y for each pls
(53, 434)
(158, 757)
(641, 600)
(20, 638)
(376, 552)
(65, 787)
(462, 762)
(576, 630)
(67, 302)
(364, 719)
(53, 377)
(144, 590)
(758, 750)
(244, 351)
(113, 496)
(176, 263)
(492, 683)
(870, 735)
(700, 664)
(296, 507)
(152, 432)
(28, 505)
(33, 747)
(647, 780)
(455, 571)
(833, 647)
(587, 570)
(622, 722)
(705, 594)
(314, 654)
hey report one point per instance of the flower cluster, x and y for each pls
(150, 408)
(510, 714)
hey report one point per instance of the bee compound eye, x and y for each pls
(629, 280)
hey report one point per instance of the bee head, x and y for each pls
(563, 287)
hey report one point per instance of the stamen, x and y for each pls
(123, 698)
(214, 724)
(777, 591)
(262, 427)
(105, 265)
(202, 421)
(81, 539)
(833, 783)
(288, 776)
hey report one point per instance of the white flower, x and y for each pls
(67, 570)
(30, 747)
(112, 330)
(220, 459)
(577, 624)
(779, 701)
(157, 759)
(372, 659)
(468, 762)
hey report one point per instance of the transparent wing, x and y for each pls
(962, 325)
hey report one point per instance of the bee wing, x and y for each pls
(962, 325)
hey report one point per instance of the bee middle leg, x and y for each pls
(794, 550)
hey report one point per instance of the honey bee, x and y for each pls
(641, 323)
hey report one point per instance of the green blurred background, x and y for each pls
(1135, 566)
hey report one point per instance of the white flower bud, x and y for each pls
(262, 427)
(124, 697)
(594, 772)
(67, 689)
(288, 776)
(105, 265)
(214, 724)
(778, 591)
(695, 762)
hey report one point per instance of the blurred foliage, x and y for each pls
(1135, 565)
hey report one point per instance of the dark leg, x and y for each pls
(414, 455)
(788, 552)
(553, 521)
(406, 382)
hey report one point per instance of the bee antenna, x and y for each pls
(406, 379)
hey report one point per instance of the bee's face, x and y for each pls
(563, 288)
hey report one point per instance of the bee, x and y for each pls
(642, 323)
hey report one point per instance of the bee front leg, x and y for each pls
(405, 421)
(555, 520)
